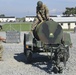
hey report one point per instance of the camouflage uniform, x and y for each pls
(1, 50)
(42, 14)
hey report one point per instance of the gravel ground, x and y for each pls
(15, 62)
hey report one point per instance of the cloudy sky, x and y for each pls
(21, 8)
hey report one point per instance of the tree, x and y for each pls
(70, 11)
(2, 15)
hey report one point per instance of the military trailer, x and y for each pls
(48, 37)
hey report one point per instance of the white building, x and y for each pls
(29, 18)
(7, 19)
(65, 22)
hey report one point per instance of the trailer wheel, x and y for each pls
(25, 44)
(28, 56)
(55, 70)
(67, 53)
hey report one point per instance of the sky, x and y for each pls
(22, 8)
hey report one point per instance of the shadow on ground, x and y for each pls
(40, 61)
(20, 57)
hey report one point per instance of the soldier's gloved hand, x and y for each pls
(47, 19)
(51, 19)
(42, 21)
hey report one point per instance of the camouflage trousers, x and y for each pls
(1, 50)
(36, 22)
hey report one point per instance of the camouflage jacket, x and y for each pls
(42, 13)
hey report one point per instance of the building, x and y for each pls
(29, 18)
(65, 22)
(7, 19)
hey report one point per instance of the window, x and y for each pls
(68, 23)
(61, 23)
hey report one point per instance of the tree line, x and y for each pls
(2, 15)
(70, 11)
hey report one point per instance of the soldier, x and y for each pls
(42, 13)
(1, 48)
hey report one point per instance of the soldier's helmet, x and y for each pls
(39, 3)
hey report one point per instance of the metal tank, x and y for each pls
(49, 32)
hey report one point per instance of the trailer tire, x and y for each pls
(28, 56)
(25, 44)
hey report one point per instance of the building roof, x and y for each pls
(30, 16)
(64, 19)
(60, 19)
(7, 17)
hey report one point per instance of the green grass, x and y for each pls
(21, 27)
(18, 26)
(68, 29)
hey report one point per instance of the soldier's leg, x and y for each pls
(35, 24)
(1, 52)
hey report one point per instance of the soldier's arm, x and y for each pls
(46, 12)
(39, 15)
(2, 39)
